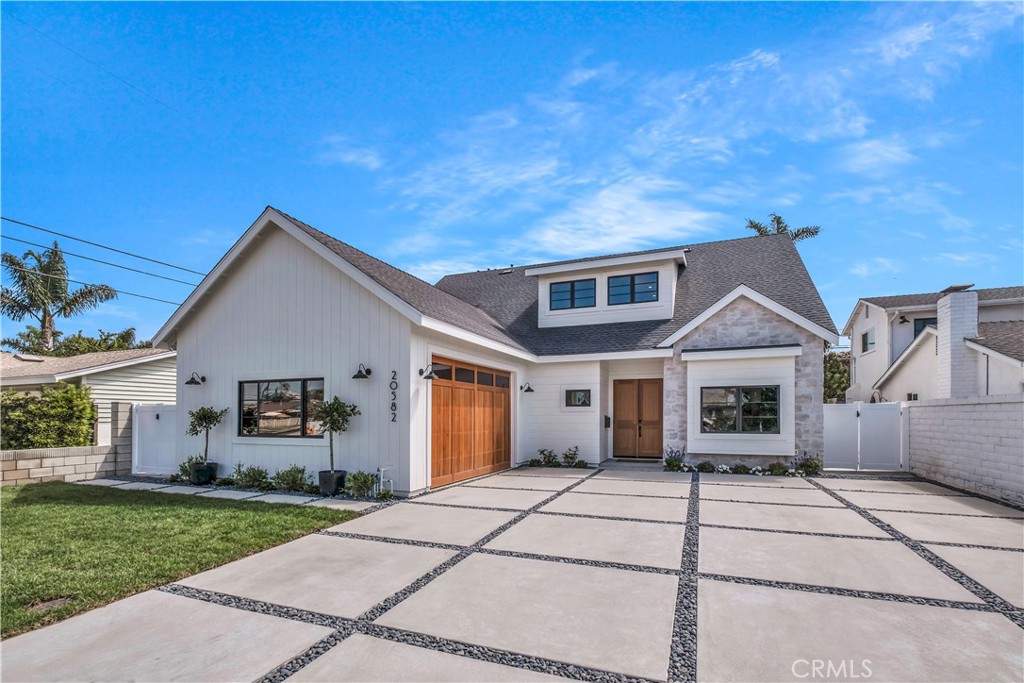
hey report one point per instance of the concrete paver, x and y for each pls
(644, 475)
(755, 633)
(141, 486)
(605, 540)
(459, 526)
(341, 504)
(156, 636)
(627, 507)
(954, 505)
(101, 482)
(537, 483)
(1001, 571)
(766, 494)
(787, 518)
(884, 486)
(185, 490)
(284, 498)
(477, 497)
(231, 494)
(364, 658)
(635, 488)
(882, 566)
(560, 472)
(540, 607)
(754, 480)
(1003, 533)
(339, 576)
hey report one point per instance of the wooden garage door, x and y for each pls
(471, 421)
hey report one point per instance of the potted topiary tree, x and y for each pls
(334, 416)
(201, 421)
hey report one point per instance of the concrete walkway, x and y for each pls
(612, 575)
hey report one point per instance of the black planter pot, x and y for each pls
(332, 481)
(200, 473)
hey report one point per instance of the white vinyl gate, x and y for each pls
(153, 439)
(865, 436)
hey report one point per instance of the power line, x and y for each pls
(106, 263)
(88, 284)
(101, 246)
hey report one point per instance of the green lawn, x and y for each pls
(96, 544)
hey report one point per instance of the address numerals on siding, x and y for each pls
(394, 395)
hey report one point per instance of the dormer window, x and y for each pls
(574, 294)
(632, 289)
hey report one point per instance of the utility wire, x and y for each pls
(102, 246)
(79, 282)
(106, 263)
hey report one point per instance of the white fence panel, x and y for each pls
(841, 435)
(153, 435)
(865, 436)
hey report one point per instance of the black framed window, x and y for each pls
(921, 323)
(574, 294)
(739, 410)
(867, 341)
(577, 398)
(632, 289)
(281, 408)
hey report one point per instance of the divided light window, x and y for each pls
(574, 294)
(632, 289)
(280, 408)
(739, 410)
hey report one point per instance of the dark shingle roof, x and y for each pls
(422, 296)
(769, 265)
(1006, 338)
(932, 298)
(11, 366)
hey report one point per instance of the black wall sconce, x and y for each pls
(363, 372)
(427, 373)
(526, 388)
(195, 380)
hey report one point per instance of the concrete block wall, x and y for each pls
(73, 464)
(975, 444)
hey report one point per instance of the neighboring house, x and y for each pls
(955, 343)
(716, 348)
(134, 376)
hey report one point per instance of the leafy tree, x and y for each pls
(201, 421)
(61, 417)
(837, 374)
(778, 226)
(334, 416)
(31, 341)
(39, 290)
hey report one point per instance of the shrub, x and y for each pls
(548, 458)
(252, 477)
(723, 469)
(777, 469)
(570, 456)
(61, 417)
(580, 464)
(201, 421)
(535, 462)
(312, 489)
(757, 470)
(359, 484)
(706, 466)
(385, 495)
(808, 466)
(175, 478)
(740, 468)
(185, 468)
(673, 463)
(290, 479)
(224, 481)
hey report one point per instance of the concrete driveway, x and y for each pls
(610, 575)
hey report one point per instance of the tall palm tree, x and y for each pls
(778, 226)
(39, 289)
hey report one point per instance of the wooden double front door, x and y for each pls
(637, 407)
(471, 421)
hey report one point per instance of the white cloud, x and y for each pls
(876, 158)
(338, 149)
(875, 266)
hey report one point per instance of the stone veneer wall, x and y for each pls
(745, 323)
(975, 444)
(35, 465)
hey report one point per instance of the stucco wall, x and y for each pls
(976, 444)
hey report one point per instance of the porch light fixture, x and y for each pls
(363, 372)
(903, 320)
(427, 373)
(526, 388)
(195, 380)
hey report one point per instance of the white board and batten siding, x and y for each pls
(554, 425)
(289, 314)
(142, 383)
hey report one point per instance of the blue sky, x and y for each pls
(451, 137)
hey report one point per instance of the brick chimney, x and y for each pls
(957, 365)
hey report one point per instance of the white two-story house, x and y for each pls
(955, 343)
(714, 349)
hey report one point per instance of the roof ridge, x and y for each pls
(973, 289)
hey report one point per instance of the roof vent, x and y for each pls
(29, 358)
(956, 288)
(511, 268)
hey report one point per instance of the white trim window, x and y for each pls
(867, 341)
(280, 408)
(739, 410)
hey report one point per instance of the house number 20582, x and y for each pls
(394, 395)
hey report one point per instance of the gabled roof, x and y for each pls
(927, 333)
(769, 265)
(932, 298)
(14, 370)
(1006, 338)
